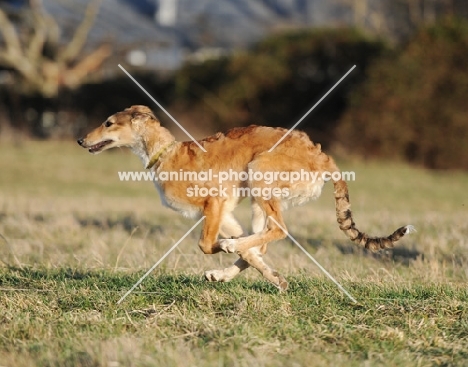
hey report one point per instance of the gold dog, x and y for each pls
(239, 150)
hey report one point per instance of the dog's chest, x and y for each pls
(184, 208)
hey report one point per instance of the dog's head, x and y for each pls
(123, 129)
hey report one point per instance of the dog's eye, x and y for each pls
(107, 123)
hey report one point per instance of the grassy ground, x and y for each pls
(75, 239)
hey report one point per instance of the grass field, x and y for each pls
(75, 239)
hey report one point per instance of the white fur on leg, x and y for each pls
(228, 245)
(230, 227)
(228, 273)
(258, 218)
(215, 276)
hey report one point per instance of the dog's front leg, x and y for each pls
(213, 213)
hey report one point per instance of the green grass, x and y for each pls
(75, 239)
(65, 316)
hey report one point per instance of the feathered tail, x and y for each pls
(345, 220)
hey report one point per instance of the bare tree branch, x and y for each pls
(53, 35)
(81, 34)
(90, 63)
(12, 56)
(49, 26)
(8, 31)
(38, 39)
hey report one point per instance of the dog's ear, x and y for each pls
(141, 114)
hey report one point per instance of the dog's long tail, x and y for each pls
(345, 220)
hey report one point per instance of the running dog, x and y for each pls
(240, 150)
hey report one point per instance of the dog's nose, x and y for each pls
(80, 141)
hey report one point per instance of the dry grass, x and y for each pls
(72, 230)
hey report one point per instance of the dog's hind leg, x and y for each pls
(252, 255)
(228, 273)
(230, 228)
(251, 248)
(254, 258)
(272, 230)
(258, 218)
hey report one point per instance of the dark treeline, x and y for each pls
(413, 103)
(405, 102)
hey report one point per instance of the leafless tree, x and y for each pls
(32, 48)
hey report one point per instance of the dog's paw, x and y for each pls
(215, 276)
(228, 245)
(280, 282)
(283, 284)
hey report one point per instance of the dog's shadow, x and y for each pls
(127, 222)
(400, 254)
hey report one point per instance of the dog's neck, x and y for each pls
(153, 142)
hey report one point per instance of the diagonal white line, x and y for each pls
(315, 261)
(313, 107)
(161, 107)
(159, 261)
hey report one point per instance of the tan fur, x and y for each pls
(239, 149)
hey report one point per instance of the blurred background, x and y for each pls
(74, 238)
(216, 64)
